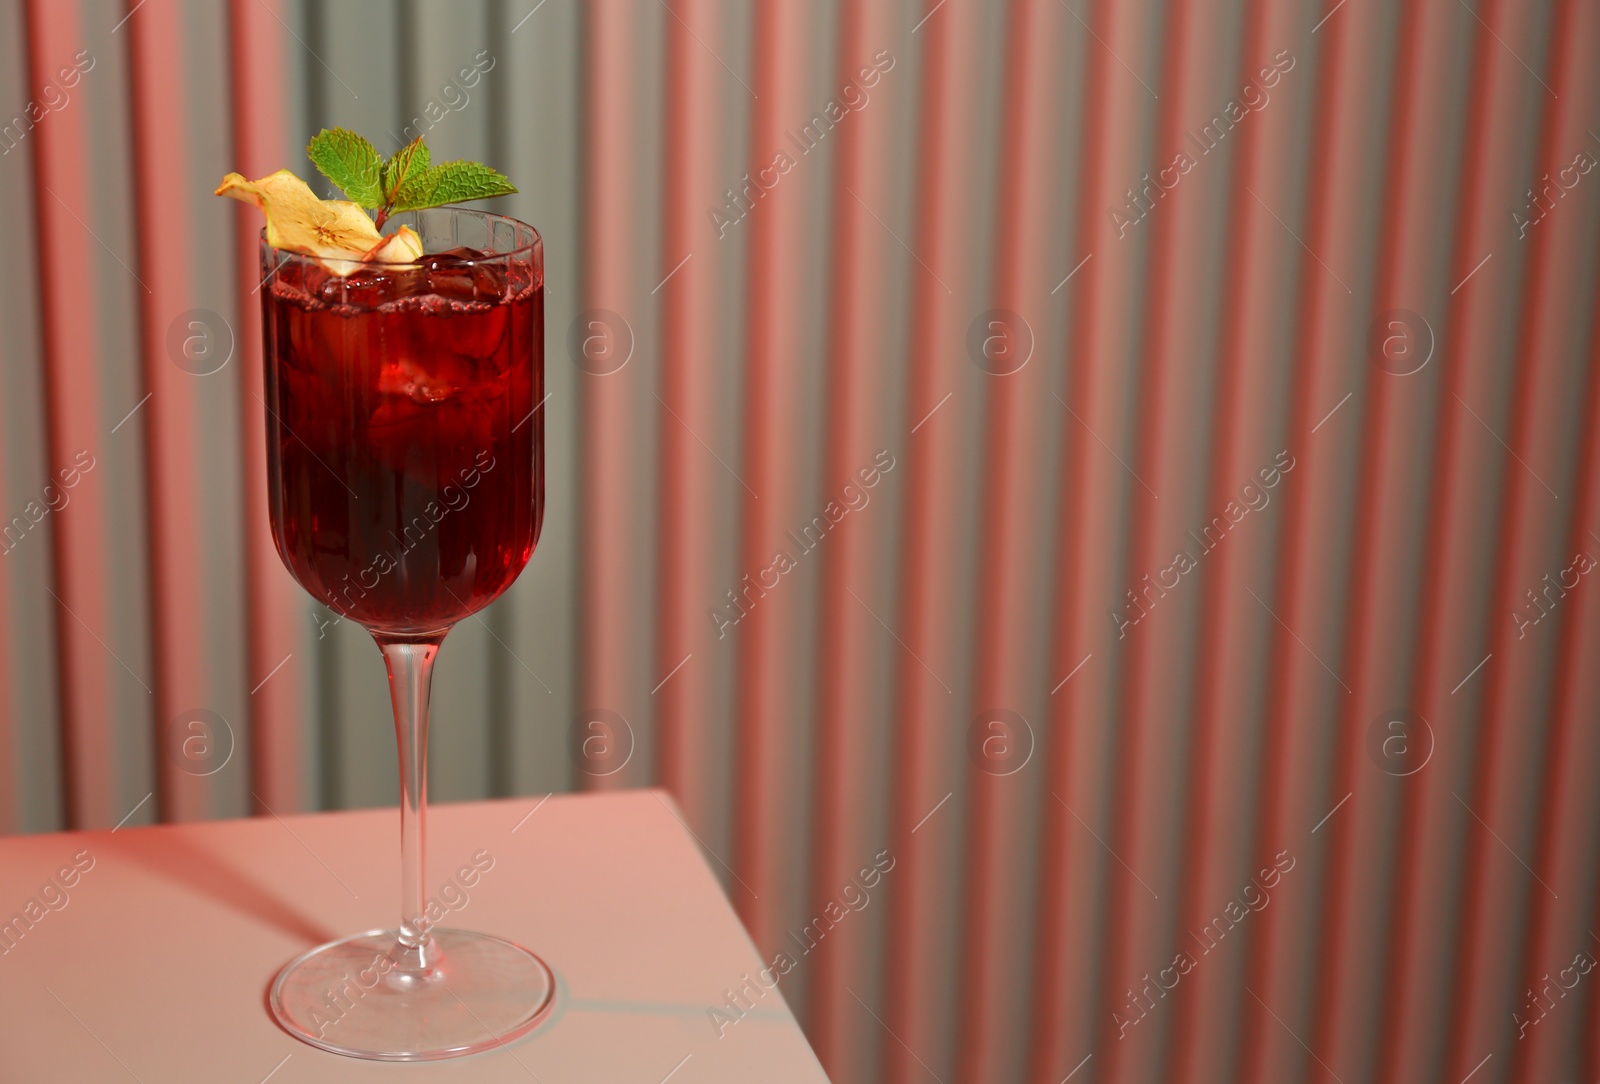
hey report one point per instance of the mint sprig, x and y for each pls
(406, 181)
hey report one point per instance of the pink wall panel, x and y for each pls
(1297, 793)
(1064, 1029)
(1514, 680)
(164, 267)
(17, 313)
(76, 425)
(1412, 937)
(687, 578)
(858, 445)
(1217, 850)
(277, 670)
(926, 833)
(1376, 652)
(855, 435)
(1557, 928)
(613, 611)
(1013, 510)
(1152, 695)
(768, 636)
(1109, 502)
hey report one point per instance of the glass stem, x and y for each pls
(410, 665)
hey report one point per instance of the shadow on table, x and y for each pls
(177, 859)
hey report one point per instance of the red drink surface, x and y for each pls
(404, 453)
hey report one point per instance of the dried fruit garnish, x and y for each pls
(330, 229)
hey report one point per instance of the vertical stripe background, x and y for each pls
(822, 567)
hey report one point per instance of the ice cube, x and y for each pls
(372, 287)
(430, 381)
(461, 274)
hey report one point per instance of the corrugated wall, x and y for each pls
(1124, 446)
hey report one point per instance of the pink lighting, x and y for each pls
(1088, 512)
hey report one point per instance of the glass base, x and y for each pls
(366, 997)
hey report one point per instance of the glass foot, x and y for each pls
(367, 997)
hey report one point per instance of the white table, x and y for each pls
(156, 967)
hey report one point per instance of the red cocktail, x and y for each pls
(406, 484)
(404, 449)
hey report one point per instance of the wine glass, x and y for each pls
(406, 486)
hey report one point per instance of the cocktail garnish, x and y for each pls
(340, 230)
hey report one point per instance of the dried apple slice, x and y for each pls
(329, 229)
(401, 246)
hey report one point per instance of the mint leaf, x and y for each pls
(452, 182)
(404, 167)
(417, 192)
(350, 162)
